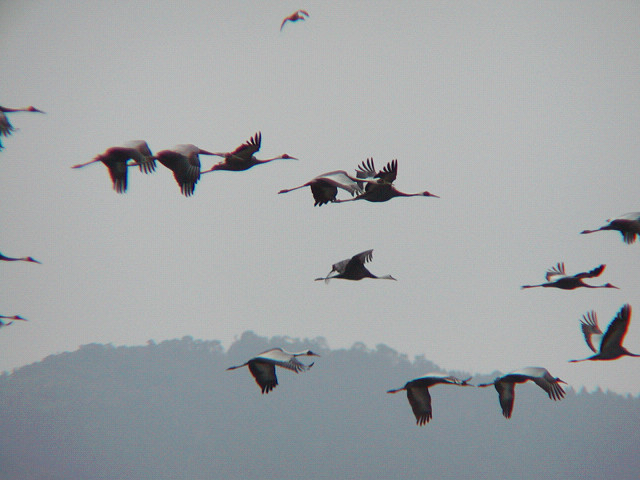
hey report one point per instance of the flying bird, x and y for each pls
(242, 158)
(558, 278)
(14, 317)
(263, 366)
(418, 393)
(21, 259)
(505, 386)
(378, 185)
(325, 187)
(5, 125)
(184, 162)
(628, 225)
(294, 17)
(116, 160)
(610, 344)
(353, 268)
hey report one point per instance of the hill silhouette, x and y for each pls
(172, 411)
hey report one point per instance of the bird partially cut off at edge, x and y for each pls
(19, 259)
(13, 317)
(628, 225)
(6, 128)
(610, 344)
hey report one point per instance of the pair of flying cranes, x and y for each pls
(609, 344)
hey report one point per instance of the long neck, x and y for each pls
(255, 161)
(80, 165)
(384, 277)
(9, 110)
(402, 194)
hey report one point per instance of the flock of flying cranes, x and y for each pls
(374, 186)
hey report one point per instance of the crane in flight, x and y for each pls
(378, 185)
(505, 385)
(20, 259)
(628, 225)
(14, 317)
(5, 125)
(558, 278)
(325, 187)
(242, 158)
(419, 396)
(353, 268)
(294, 17)
(263, 366)
(184, 162)
(610, 344)
(116, 160)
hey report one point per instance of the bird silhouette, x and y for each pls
(6, 128)
(263, 366)
(353, 268)
(242, 158)
(628, 225)
(418, 393)
(378, 185)
(184, 162)
(294, 17)
(558, 278)
(610, 344)
(20, 259)
(116, 160)
(13, 317)
(505, 386)
(325, 187)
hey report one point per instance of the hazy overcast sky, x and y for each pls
(522, 116)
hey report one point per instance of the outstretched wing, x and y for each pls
(554, 272)
(617, 329)
(389, 173)
(506, 396)
(264, 373)
(363, 257)
(282, 359)
(550, 385)
(366, 169)
(340, 179)
(420, 401)
(5, 126)
(248, 148)
(592, 273)
(590, 329)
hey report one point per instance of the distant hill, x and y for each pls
(172, 411)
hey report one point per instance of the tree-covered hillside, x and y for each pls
(172, 411)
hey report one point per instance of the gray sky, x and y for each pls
(521, 116)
